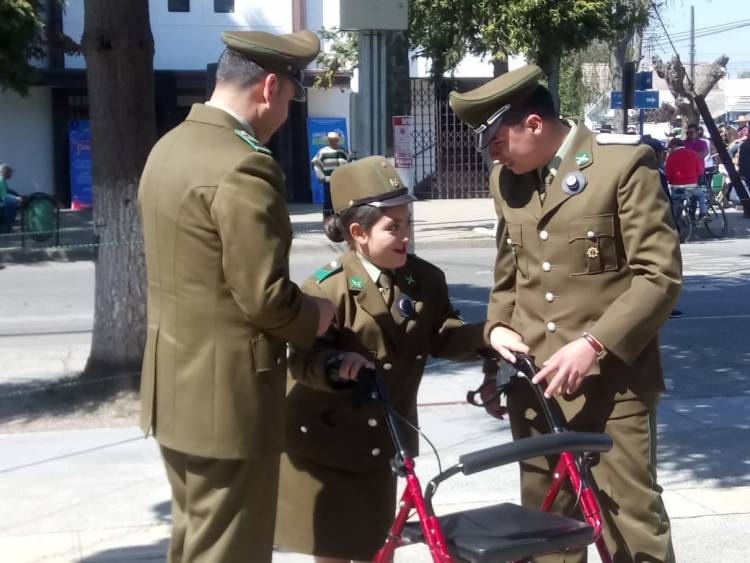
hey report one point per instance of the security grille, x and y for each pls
(447, 164)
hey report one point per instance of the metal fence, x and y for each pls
(447, 164)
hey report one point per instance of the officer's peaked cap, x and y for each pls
(476, 106)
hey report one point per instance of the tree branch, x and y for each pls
(715, 73)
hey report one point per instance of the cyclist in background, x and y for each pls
(684, 168)
(8, 202)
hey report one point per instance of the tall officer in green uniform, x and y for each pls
(588, 269)
(221, 307)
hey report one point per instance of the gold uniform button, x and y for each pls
(546, 266)
(372, 422)
(509, 242)
(548, 297)
(375, 451)
(552, 327)
(303, 429)
(591, 234)
(387, 367)
(544, 235)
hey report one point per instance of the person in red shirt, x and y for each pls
(683, 170)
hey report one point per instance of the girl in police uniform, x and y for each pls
(337, 494)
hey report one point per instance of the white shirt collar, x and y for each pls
(554, 164)
(372, 270)
(244, 122)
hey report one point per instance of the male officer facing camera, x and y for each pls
(588, 269)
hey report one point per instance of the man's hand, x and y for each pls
(326, 312)
(566, 368)
(507, 341)
(351, 362)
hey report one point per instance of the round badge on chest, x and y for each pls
(574, 183)
(406, 307)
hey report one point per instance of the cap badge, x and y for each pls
(355, 282)
(394, 182)
(574, 183)
(582, 158)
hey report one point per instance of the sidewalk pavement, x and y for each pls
(102, 495)
(438, 224)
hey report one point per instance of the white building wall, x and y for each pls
(27, 142)
(191, 40)
(333, 102)
(470, 67)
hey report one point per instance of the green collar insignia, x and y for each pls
(252, 141)
(356, 283)
(582, 158)
(410, 280)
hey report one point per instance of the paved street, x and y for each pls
(101, 495)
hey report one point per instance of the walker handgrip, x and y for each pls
(547, 444)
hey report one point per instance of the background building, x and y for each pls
(46, 138)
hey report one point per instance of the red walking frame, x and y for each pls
(503, 532)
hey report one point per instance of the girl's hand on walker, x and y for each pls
(351, 362)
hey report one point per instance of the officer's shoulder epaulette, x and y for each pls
(617, 139)
(252, 141)
(322, 274)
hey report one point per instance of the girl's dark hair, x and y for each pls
(336, 227)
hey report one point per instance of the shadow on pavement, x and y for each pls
(153, 552)
(24, 403)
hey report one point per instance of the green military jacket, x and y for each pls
(605, 260)
(322, 423)
(221, 307)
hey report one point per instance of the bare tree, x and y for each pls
(119, 49)
(679, 85)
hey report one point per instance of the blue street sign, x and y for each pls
(644, 80)
(646, 99)
(616, 100)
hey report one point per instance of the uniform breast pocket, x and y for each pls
(592, 245)
(514, 244)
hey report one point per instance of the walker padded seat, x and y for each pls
(506, 532)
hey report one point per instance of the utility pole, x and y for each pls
(692, 47)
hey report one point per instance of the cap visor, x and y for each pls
(394, 201)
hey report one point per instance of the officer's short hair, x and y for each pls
(237, 70)
(539, 102)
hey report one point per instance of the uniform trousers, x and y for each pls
(636, 525)
(222, 509)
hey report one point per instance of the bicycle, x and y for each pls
(685, 207)
(496, 533)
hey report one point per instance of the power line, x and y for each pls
(660, 42)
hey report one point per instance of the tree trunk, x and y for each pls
(618, 56)
(499, 65)
(119, 49)
(550, 65)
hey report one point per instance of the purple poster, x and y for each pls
(79, 139)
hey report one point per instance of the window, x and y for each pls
(224, 6)
(178, 5)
